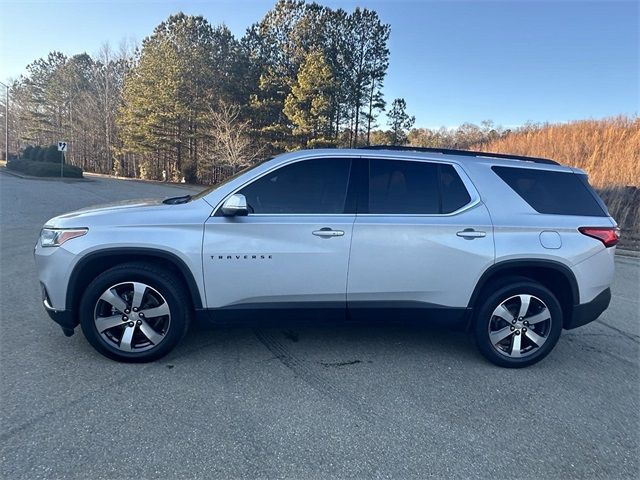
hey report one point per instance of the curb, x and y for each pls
(627, 253)
(188, 186)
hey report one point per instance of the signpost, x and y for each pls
(62, 147)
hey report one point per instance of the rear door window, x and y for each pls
(403, 187)
(414, 188)
(556, 193)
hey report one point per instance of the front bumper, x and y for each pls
(54, 265)
(65, 318)
(588, 312)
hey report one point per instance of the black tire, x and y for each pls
(163, 282)
(504, 291)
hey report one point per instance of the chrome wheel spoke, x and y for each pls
(516, 346)
(113, 299)
(156, 311)
(524, 305)
(503, 313)
(105, 323)
(539, 317)
(138, 294)
(534, 337)
(499, 335)
(148, 331)
(127, 337)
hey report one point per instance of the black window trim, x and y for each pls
(471, 190)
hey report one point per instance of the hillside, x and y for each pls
(608, 150)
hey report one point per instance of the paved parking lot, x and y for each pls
(301, 401)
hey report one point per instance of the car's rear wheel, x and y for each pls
(134, 312)
(519, 324)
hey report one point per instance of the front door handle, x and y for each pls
(328, 232)
(470, 234)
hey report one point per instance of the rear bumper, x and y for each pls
(588, 312)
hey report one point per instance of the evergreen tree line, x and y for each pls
(193, 102)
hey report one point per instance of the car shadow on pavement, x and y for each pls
(343, 342)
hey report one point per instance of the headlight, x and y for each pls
(54, 237)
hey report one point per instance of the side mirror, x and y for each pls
(235, 206)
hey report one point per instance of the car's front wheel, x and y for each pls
(518, 324)
(134, 312)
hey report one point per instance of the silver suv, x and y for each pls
(513, 248)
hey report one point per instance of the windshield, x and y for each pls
(210, 189)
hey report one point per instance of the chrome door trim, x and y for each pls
(463, 209)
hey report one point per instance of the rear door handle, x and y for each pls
(328, 232)
(470, 234)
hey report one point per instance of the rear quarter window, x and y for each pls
(556, 193)
(454, 193)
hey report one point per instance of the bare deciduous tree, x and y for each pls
(230, 136)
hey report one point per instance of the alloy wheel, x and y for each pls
(519, 326)
(132, 317)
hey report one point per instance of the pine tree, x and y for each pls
(399, 121)
(368, 60)
(44, 102)
(308, 106)
(150, 115)
(354, 47)
(304, 75)
(183, 67)
(274, 53)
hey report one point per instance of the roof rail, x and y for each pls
(466, 153)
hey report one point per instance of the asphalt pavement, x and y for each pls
(301, 401)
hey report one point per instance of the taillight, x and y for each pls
(607, 235)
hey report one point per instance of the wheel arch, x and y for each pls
(554, 275)
(94, 263)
